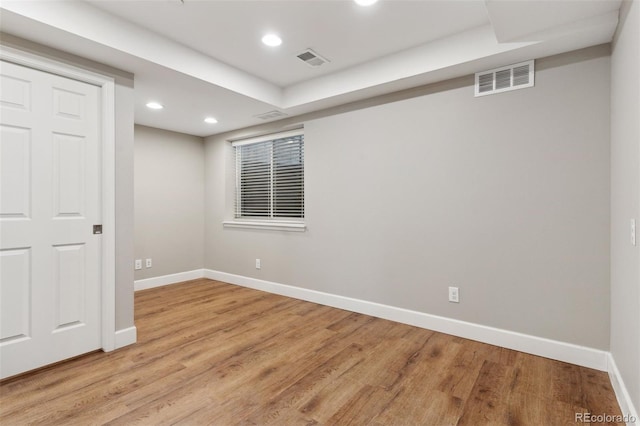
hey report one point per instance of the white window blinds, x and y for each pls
(270, 177)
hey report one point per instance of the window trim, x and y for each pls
(269, 137)
(277, 224)
(273, 225)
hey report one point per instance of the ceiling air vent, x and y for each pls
(311, 58)
(503, 79)
(271, 115)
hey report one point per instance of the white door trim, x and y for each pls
(107, 94)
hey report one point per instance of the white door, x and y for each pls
(50, 198)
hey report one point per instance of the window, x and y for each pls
(270, 177)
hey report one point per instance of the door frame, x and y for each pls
(107, 93)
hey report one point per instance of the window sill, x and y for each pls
(268, 225)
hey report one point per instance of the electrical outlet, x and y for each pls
(138, 264)
(258, 266)
(149, 263)
(454, 295)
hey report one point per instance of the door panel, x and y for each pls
(68, 104)
(15, 168)
(68, 175)
(69, 284)
(50, 198)
(15, 93)
(15, 314)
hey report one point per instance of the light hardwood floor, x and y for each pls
(214, 353)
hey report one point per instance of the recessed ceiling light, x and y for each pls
(210, 120)
(272, 40)
(365, 2)
(154, 105)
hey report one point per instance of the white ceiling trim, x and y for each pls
(93, 24)
(419, 64)
(526, 20)
(440, 54)
(195, 84)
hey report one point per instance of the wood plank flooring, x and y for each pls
(214, 353)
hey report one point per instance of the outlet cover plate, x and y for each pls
(454, 295)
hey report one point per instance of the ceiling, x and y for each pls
(204, 58)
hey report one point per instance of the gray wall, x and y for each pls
(124, 168)
(169, 194)
(625, 198)
(505, 196)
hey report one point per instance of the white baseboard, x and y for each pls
(561, 351)
(622, 394)
(126, 337)
(167, 279)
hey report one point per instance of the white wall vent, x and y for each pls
(271, 115)
(503, 79)
(311, 58)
